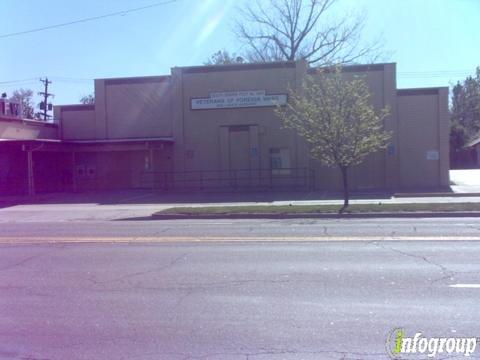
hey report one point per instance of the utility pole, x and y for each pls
(44, 105)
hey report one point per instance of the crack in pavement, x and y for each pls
(190, 288)
(26, 290)
(446, 272)
(139, 273)
(250, 354)
(178, 303)
(473, 227)
(21, 262)
(254, 353)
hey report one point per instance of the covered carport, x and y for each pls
(34, 166)
(115, 164)
(28, 167)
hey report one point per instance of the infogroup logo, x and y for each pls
(400, 347)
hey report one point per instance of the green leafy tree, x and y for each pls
(465, 111)
(223, 57)
(335, 116)
(25, 98)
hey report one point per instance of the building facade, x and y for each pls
(214, 128)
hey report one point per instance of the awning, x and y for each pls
(31, 141)
(121, 141)
(90, 145)
(96, 142)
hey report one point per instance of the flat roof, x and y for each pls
(236, 67)
(350, 68)
(420, 91)
(115, 141)
(136, 79)
(27, 121)
(56, 141)
(76, 107)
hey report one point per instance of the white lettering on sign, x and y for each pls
(238, 99)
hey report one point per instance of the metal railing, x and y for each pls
(238, 179)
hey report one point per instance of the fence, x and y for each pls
(240, 179)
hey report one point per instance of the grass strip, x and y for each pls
(308, 209)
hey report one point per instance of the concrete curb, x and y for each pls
(447, 194)
(417, 214)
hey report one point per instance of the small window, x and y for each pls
(280, 161)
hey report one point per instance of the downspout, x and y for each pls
(30, 174)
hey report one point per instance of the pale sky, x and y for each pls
(433, 42)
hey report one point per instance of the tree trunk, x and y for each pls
(345, 188)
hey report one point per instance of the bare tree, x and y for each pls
(24, 97)
(300, 29)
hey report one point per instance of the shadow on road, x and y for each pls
(140, 197)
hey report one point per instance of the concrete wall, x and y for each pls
(423, 138)
(229, 139)
(119, 166)
(379, 170)
(234, 139)
(124, 109)
(133, 107)
(77, 121)
(27, 129)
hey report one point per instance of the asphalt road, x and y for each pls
(244, 289)
(241, 230)
(234, 300)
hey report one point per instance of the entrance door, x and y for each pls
(239, 155)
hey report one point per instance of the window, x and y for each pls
(280, 161)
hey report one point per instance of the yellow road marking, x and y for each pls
(194, 239)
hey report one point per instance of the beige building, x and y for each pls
(213, 127)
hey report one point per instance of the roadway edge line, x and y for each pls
(211, 239)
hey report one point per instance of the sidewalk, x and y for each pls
(111, 205)
(121, 205)
(465, 181)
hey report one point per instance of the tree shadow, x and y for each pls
(144, 197)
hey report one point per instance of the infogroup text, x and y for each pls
(398, 344)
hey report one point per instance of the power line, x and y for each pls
(57, 78)
(400, 74)
(17, 81)
(62, 78)
(436, 74)
(93, 18)
(435, 71)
